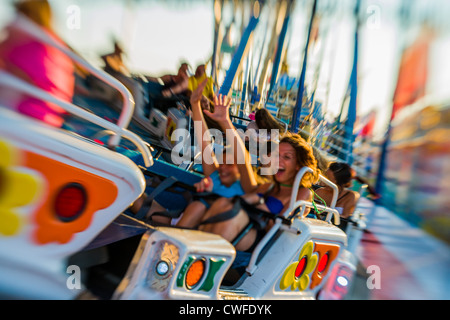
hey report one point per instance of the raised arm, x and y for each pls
(201, 131)
(222, 116)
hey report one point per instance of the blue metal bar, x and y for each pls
(351, 116)
(382, 165)
(245, 87)
(214, 56)
(404, 13)
(238, 56)
(217, 24)
(279, 52)
(295, 123)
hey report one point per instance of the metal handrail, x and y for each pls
(296, 187)
(293, 205)
(34, 30)
(11, 81)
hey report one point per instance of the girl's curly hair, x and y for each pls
(305, 157)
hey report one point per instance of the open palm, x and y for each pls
(221, 109)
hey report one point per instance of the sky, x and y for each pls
(158, 35)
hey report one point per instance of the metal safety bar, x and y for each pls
(293, 205)
(296, 187)
(8, 80)
(34, 30)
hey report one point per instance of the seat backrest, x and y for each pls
(64, 188)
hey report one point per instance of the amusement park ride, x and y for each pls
(65, 194)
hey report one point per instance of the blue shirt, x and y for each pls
(228, 192)
(218, 188)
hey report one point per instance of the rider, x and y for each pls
(294, 154)
(341, 174)
(227, 178)
(37, 63)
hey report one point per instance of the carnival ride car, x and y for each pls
(64, 204)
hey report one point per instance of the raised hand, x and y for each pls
(197, 94)
(221, 109)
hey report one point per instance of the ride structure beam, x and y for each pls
(239, 56)
(351, 116)
(404, 17)
(218, 7)
(279, 51)
(295, 123)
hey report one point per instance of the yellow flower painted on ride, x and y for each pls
(17, 189)
(297, 274)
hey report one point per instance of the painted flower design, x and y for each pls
(296, 276)
(50, 219)
(26, 178)
(17, 189)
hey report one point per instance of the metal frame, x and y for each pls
(36, 31)
(11, 81)
(120, 131)
(293, 205)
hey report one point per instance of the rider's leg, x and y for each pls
(230, 228)
(192, 215)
